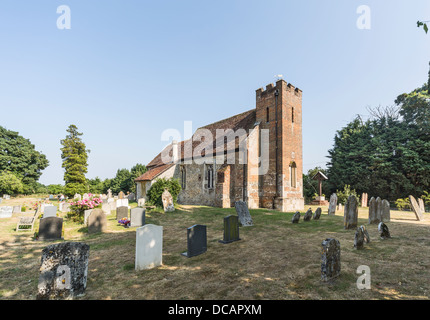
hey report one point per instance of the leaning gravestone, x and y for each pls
(421, 205)
(359, 238)
(384, 232)
(385, 211)
(137, 217)
(6, 212)
(308, 215)
(317, 214)
(149, 247)
(296, 217)
(332, 205)
(231, 229)
(242, 211)
(50, 229)
(97, 221)
(351, 213)
(366, 234)
(63, 271)
(50, 211)
(196, 241)
(121, 212)
(416, 208)
(330, 259)
(167, 200)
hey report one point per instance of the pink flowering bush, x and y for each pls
(78, 207)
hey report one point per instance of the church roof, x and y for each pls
(245, 120)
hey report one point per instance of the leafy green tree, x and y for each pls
(136, 172)
(75, 162)
(10, 183)
(18, 155)
(122, 181)
(157, 188)
(95, 185)
(55, 188)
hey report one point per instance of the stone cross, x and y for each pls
(149, 247)
(330, 259)
(196, 241)
(63, 271)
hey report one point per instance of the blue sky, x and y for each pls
(128, 70)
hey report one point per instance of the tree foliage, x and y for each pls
(157, 188)
(10, 183)
(18, 156)
(75, 162)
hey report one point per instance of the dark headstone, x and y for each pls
(308, 215)
(231, 229)
(196, 241)
(243, 213)
(121, 212)
(97, 221)
(330, 259)
(137, 217)
(317, 214)
(373, 217)
(384, 233)
(385, 211)
(296, 217)
(63, 271)
(351, 213)
(50, 228)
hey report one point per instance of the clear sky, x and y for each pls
(128, 70)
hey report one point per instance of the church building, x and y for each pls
(255, 156)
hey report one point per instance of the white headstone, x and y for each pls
(149, 247)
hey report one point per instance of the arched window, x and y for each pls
(293, 175)
(183, 177)
(210, 176)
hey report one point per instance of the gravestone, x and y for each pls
(167, 200)
(378, 209)
(112, 204)
(231, 229)
(106, 208)
(364, 200)
(16, 209)
(196, 241)
(77, 197)
(50, 228)
(121, 195)
(308, 215)
(296, 217)
(149, 247)
(373, 214)
(86, 215)
(416, 208)
(351, 213)
(141, 202)
(242, 211)
(109, 195)
(97, 221)
(137, 217)
(6, 212)
(384, 232)
(121, 212)
(63, 271)
(65, 207)
(339, 207)
(49, 211)
(122, 203)
(385, 211)
(332, 205)
(85, 196)
(317, 214)
(330, 259)
(421, 205)
(359, 238)
(131, 197)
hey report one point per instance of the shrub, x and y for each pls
(402, 204)
(77, 208)
(342, 196)
(157, 189)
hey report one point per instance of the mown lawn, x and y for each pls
(275, 259)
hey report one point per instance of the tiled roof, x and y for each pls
(245, 120)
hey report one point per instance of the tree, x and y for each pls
(18, 155)
(75, 157)
(55, 188)
(424, 25)
(10, 183)
(311, 187)
(96, 185)
(157, 188)
(122, 181)
(136, 172)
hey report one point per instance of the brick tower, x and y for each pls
(279, 109)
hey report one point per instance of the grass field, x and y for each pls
(275, 259)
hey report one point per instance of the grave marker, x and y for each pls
(50, 228)
(231, 229)
(243, 214)
(330, 259)
(137, 217)
(149, 247)
(97, 221)
(196, 241)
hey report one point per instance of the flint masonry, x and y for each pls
(255, 156)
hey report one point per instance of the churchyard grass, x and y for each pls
(275, 259)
